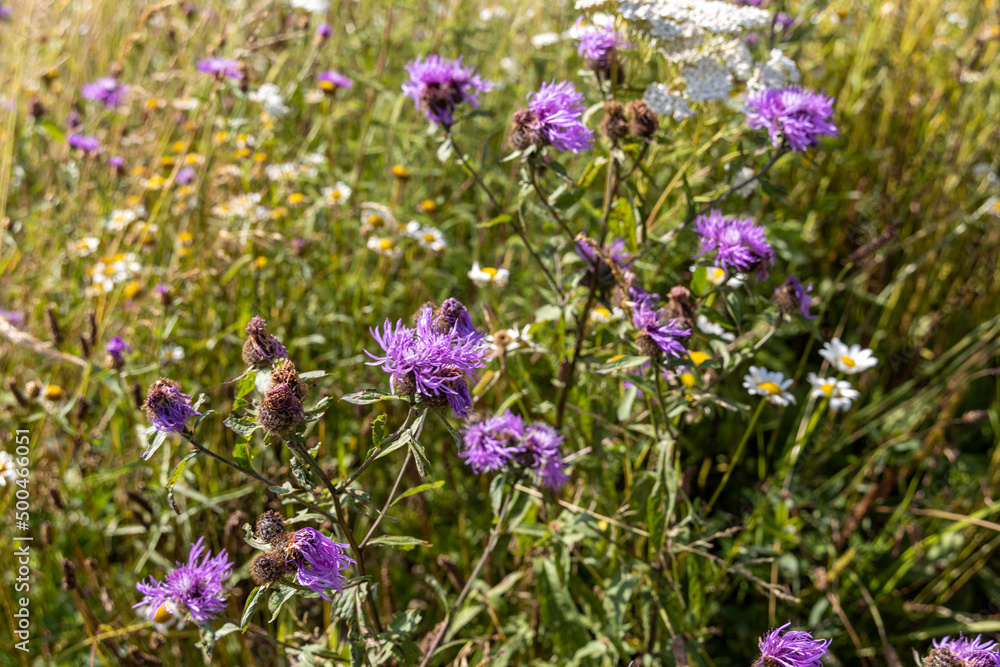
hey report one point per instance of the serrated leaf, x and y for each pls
(278, 598)
(256, 597)
(241, 426)
(366, 397)
(402, 543)
(419, 489)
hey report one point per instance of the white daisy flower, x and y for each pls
(840, 392)
(337, 194)
(771, 385)
(377, 218)
(602, 314)
(850, 360)
(313, 97)
(120, 219)
(87, 245)
(384, 246)
(282, 172)
(487, 275)
(510, 339)
(709, 327)
(172, 352)
(7, 471)
(717, 276)
(185, 104)
(430, 238)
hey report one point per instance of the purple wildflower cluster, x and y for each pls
(739, 243)
(167, 407)
(556, 110)
(656, 333)
(791, 114)
(221, 67)
(117, 347)
(972, 652)
(330, 80)
(794, 648)
(86, 143)
(319, 561)
(107, 91)
(598, 45)
(435, 359)
(498, 442)
(195, 588)
(437, 86)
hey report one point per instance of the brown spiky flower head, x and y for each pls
(261, 347)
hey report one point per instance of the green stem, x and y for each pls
(737, 455)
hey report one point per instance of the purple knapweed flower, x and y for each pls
(261, 346)
(86, 143)
(5, 12)
(432, 360)
(319, 561)
(795, 115)
(596, 263)
(554, 113)
(74, 119)
(117, 347)
(14, 317)
(454, 315)
(598, 45)
(107, 91)
(167, 407)
(195, 588)
(740, 244)
(331, 79)
(655, 334)
(324, 30)
(491, 444)
(791, 295)
(185, 175)
(783, 20)
(974, 652)
(221, 67)
(116, 162)
(437, 86)
(794, 648)
(540, 451)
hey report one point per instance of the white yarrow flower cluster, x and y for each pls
(665, 103)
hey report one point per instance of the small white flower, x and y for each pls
(377, 218)
(384, 246)
(544, 39)
(314, 96)
(602, 314)
(840, 392)
(313, 6)
(282, 172)
(428, 237)
(851, 360)
(337, 194)
(120, 219)
(7, 471)
(185, 104)
(87, 245)
(172, 352)
(488, 275)
(511, 339)
(269, 96)
(709, 327)
(772, 385)
(717, 276)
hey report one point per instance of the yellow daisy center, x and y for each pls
(688, 380)
(490, 271)
(827, 388)
(602, 312)
(376, 221)
(327, 85)
(386, 244)
(718, 274)
(53, 392)
(847, 361)
(162, 614)
(428, 205)
(336, 194)
(770, 387)
(429, 237)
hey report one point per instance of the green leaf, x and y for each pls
(311, 375)
(625, 405)
(242, 455)
(366, 397)
(227, 629)
(378, 430)
(256, 597)
(699, 282)
(622, 363)
(179, 469)
(419, 489)
(153, 445)
(499, 220)
(235, 268)
(281, 595)
(399, 542)
(317, 411)
(245, 383)
(241, 426)
(51, 129)
(419, 457)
